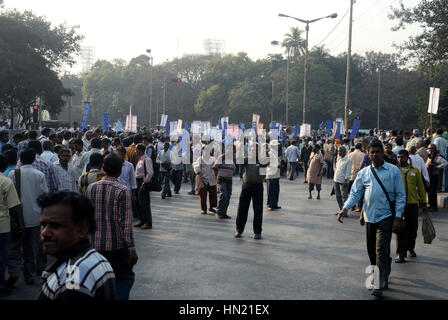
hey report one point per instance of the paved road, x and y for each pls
(305, 254)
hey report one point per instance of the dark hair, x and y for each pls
(82, 208)
(106, 140)
(404, 152)
(7, 147)
(67, 135)
(121, 149)
(47, 144)
(45, 131)
(18, 136)
(96, 159)
(78, 142)
(127, 142)
(112, 164)
(3, 163)
(12, 156)
(36, 146)
(376, 144)
(413, 149)
(32, 135)
(141, 147)
(28, 156)
(4, 133)
(399, 141)
(138, 138)
(116, 141)
(358, 146)
(96, 143)
(439, 131)
(60, 148)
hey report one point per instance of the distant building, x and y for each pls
(87, 58)
(214, 46)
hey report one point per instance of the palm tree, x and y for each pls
(293, 42)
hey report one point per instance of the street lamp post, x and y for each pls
(307, 28)
(379, 99)
(150, 86)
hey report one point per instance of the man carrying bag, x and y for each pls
(384, 201)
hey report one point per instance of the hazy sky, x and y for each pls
(125, 29)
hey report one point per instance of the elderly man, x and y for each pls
(421, 150)
(342, 176)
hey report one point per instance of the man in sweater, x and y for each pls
(224, 165)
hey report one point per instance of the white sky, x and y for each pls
(125, 29)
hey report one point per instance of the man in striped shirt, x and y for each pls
(113, 215)
(80, 272)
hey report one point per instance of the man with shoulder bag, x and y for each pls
(11, 221)
(384, 201)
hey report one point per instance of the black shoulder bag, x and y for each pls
(152, 185)
(391, 203)
(17, 223)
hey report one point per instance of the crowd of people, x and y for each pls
(77, 196)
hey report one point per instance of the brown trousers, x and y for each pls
(213, 197)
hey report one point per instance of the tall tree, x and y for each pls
(293, 43)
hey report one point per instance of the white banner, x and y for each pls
(434, 95)
(305, 130)
(163, 120)
(256, 118)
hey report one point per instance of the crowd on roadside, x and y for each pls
(77, 196)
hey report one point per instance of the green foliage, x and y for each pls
(431, 45)
(27, 61)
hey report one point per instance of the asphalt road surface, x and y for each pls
(304, 254)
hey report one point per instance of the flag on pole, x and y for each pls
(118, 126)
(434, 96)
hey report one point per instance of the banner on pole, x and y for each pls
(256, 118)
(163, 120)
(106, 118)
(305, 130)
(434, 96)
(196, 127)
(118, 126)
(85, 116)
(356, 124)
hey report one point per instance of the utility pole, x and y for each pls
(347, 79)
(150, 94)
(70, 111)
(307, 28)
(164, 93)
(287, 87)
(379, 97)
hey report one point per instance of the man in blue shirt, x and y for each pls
(378, 215)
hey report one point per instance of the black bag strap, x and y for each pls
(144, 167)
(391, 205)
(17, 177)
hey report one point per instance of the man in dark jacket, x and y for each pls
(252, 189)
(80, 272)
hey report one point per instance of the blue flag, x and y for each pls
(85, 116)
(187, 127)
(118, 126)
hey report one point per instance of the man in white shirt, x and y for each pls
(95, 144)
(68, 175)
(48, 153)
(32, 185)
(292, 155)
(342, 176)
(418, 162)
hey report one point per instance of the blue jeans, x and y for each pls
(273, 186)
(5, 242)
(224, 197)
(124, 276)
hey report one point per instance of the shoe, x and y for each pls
(11, 282)
(138, 225)
(213, 210)
(412, 254)
(227, 217)
(176, 192)
(399, 259)
(257, 236)
(163, 197)
(238, 235)
(169, 195)
(357, 210)
(276, 208)
(318, 197)
(146, 226)
(29, 281)
(270, 209)
(310, 197)
(377, 293)
(203, 212)
(305, 181)
(191, 193)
